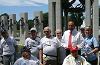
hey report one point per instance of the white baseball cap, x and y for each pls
(33, 29)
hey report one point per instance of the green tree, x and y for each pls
(30, 24)
(77, 17)
(45, 19)
(5, 14)
(18, 25)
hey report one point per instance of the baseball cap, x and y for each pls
(74, 49)
(33, 29)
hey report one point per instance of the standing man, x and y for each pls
(9, 46)
(60, 50)
(90, 46)
(33, 42)
(48, 48)
(71, 37)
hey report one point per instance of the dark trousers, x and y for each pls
(8, 59)
(94, 62)
(1, 59)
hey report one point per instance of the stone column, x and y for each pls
(4, 22)
(96, 19)
(96, 23)
(24, 27)
(12, 25)
(39, 28)
(87, 12)
(52, 15)
(58, 14)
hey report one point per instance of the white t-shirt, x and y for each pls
(32, 61)
(62, 51)
(49, 46)
(33, 45)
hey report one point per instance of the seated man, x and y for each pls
(74, 58)
(27, 59)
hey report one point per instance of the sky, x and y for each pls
(20, 6)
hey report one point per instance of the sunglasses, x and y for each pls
(46, 31)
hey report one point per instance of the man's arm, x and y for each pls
(41, 55)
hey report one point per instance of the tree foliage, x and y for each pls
(77, 17)
(5, 14)
(45, 19)
(30, 23)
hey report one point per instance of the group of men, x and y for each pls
(71, 48)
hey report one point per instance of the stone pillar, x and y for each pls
(24, 27)
(52, 15)
(39, 27)
(12, 25)
(4, 22)
(58, 14)
(96, 23)
(96, 19)
(87, 12)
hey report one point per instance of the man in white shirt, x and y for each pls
(76, 37)
(27, 58)
(60, 50)
(33, 42)
(74, 58)
(48, 48)
(9, 47)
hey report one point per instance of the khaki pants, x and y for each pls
(49, 62)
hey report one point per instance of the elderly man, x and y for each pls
(48, 48)
(60, 49)
(27, 58)
(9, 47)
(74, 58)
(33, 42)
(90, 46)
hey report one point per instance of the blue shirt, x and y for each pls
(90, 43)
(8, 45)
